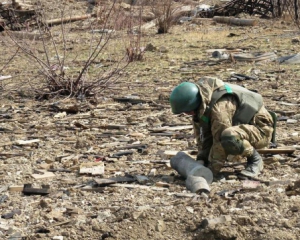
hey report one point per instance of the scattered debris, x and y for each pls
(5, 77)
(42, 174)
(132, 186)
(11, 214)
(235, 21)
(287, 150)
(57, 21)
(3, 198)
(122, 153)
(241, 77)
(250, 184)
(107, 181)
(93, 168)
(209, 222)
(292, 59)
(142, 179)
(29, 190)
(254, 57)
(293, 189)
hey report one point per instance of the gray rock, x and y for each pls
(291, 59)
(160, 226)
(220, 55)
(291, 121)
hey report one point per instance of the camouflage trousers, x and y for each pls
(256, 135)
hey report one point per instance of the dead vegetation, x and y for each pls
(55, 58)
(164, 13)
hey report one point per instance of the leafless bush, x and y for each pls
(131, 21)
(164, 11)
(168, 12)
(76, 65)
(135, 51)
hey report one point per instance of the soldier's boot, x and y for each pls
(254, 166)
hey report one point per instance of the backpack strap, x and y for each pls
(217, 94)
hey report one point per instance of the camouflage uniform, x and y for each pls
(257, 133)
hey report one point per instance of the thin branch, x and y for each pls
(9, 60)
(95, 52)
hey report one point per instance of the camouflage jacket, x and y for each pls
(203, 132)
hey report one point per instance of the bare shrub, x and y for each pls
(164, 12)
(168, 12)
(135, 51)
(72, 64)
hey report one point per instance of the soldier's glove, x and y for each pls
(203, 155)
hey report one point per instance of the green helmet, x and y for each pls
(185, 98)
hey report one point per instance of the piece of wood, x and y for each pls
(288, 104)
(112, 144)
(16, 188)
(67, 19)
(11, 154)
(28, 35)
(248, 184)
(287, 150)
(131, 100)
(235, 21)
(94, 168)
(108, 126)
(185, 195)
(162, 184)
(167, 142)
(6, 144)
(26, 142)
(59, 170)
(138, 186)
(150, 162)
(93, 189)
(132, 146)
(23, 6)
(44, 175)
(60, 224)
(3, 189)
(28, 190)
(171, 153)
(122, 153)
(166, 134)
(279, 182)
(174, 128)
(107, 181)
(4, 77)
(254, 57)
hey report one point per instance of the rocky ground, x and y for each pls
(95, 190)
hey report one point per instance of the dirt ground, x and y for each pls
(45, 143)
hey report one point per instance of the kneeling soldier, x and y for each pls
(227, 119)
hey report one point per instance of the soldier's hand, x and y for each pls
(202, 155)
